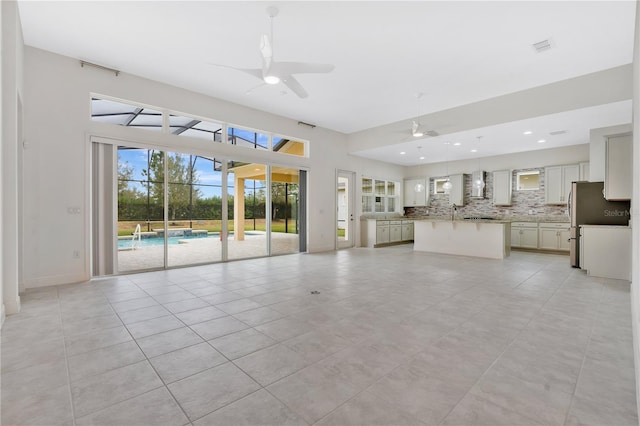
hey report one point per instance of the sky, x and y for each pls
(210, 181)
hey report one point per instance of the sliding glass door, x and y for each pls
(285, 210)
(194, 210)
(247, 191)
(140, 241)
(170, 209)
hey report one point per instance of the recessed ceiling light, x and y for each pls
(527, 132)
(541, 141)
(474, 150)
(422, 158)
(402, 153)
(457, 144)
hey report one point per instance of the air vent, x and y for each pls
(558, 132)
(542, 46)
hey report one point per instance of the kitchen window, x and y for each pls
(379, 195)
(528, 181)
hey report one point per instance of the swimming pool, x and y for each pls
(150, 242)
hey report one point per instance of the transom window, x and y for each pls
(131, 115)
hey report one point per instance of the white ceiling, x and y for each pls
(384, 53)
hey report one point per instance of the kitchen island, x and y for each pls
(479, 238)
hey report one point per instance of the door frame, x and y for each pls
(348, 242)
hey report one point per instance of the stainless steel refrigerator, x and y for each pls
(587, 206)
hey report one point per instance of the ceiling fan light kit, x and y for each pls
(271, 79)
(273, 72)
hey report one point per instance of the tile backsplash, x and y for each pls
(523, 203)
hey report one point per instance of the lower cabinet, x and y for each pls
(542, 236)
(376, 232)
(554, 236)
(407, 231)
(524, 235)
(395, 231)
(382, 232)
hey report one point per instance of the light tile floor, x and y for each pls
(393, 338)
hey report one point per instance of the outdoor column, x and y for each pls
(238, 209)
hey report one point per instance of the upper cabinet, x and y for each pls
(416, 192)
(584, 171)
(502, 188)
(618, 179)
(558, 182)
(456, 194)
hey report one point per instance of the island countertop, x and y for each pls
(478, 238)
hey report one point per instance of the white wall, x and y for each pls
(532, 159)
(2, 61)
(57, 128)
(635, 211)
(12, 60)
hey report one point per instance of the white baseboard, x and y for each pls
(320, 249)
(55, 280)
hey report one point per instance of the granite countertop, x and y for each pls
(459, 219)
(499, 219)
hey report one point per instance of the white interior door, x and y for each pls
(345, 209)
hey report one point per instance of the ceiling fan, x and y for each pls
(274, 72)
(417, 130)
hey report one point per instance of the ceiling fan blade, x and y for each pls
(267, 52)
(256, 72)
(250, 91)
(295, 86)
(288, 68)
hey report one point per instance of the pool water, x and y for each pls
(149, 242)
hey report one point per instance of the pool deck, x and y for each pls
(205, 250)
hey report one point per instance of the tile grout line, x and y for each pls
(584, 357)
(503, 352)
(146, 359)
(66, 362)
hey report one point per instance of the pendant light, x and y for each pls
(447, 185)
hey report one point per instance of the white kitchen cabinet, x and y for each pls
(456, 195)
(382, 232)
(407, 230)
(606, 251)
(524, 235)
(395, 231)
(416, 192)
(502, 188)
(618, 179)
(554, 236)
(558, 182)
(584, 171)
(376, 232)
